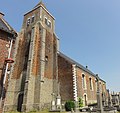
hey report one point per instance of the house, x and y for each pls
(7, 44)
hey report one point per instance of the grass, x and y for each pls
(37, 112)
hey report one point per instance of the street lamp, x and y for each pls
(9, 60)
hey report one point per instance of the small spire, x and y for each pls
(40, 3)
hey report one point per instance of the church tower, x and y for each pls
(34, 75)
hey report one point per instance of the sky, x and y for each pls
(89, 32)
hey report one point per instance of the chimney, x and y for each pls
(1, 15)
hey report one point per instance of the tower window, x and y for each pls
(46, 21)
(49, 23)
(28, 21)
(33, 19)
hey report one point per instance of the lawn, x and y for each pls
(37, 112)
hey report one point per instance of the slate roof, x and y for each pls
(78, 65)
(4, 26)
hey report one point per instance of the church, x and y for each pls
(41, 75)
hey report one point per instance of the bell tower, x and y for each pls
(34, 76)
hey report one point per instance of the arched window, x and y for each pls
(83, 81)
(90, 83)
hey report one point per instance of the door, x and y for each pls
(20, 102)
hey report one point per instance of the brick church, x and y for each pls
(40, 72)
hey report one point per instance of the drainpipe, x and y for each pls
(5, 75)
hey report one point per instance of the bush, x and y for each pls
(69, 105)
(80, 102)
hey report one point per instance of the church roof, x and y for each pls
(4, 26)
(78, 65)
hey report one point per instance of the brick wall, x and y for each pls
(20, 57)
(55, 68)
(87, 93)
(65, 78)
(49, 56)
(3, 48)
(36, 56)
(4, 51)
(90, 93)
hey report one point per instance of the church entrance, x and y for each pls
(20, 102)
(85, 100)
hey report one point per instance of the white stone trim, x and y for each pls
(75, 82)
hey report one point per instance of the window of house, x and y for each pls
(32, 19)
(90, 81)
(83, 80)
(28, 21)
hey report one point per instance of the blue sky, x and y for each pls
(89, 32)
